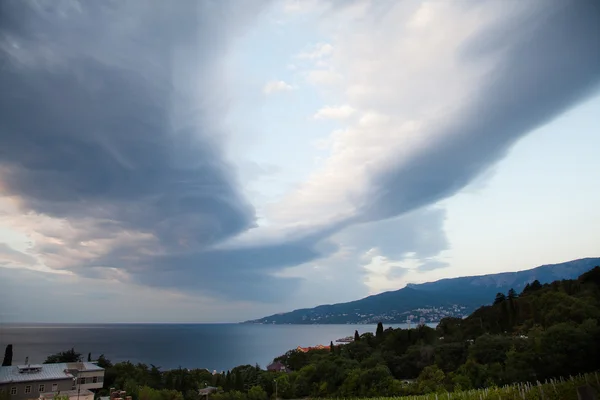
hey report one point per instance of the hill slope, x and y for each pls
(433, 300)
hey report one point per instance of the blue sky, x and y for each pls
(276, 155)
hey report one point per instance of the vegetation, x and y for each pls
(8, 356)
(545, 332)
(64, 357)
(555, 389)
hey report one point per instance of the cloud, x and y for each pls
(317, 51)
(101, 301)
(276, 86)
(457, 88)
(113, 140)
(10, 256)
(341, 112)
(323, 77)
(444, 104)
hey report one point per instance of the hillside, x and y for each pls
(542, 334)
(454, 297)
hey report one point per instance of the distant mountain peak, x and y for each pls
(432, 300)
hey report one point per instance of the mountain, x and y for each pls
(430, 302)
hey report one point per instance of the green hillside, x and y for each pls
(545, 332)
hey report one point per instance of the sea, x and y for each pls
(217, 347)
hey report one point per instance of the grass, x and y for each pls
(554, 389)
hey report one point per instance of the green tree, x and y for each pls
(356, 336)
(500, 297)
(89, 357)
(103, 362)
(8, 356)
(379, 331)
(431, 379)
(535, 285)
(64, 357)
(257, 393)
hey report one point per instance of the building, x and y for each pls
(205, 392)
(33, 381)
(116, 395)
(318, 347)
(277, 367)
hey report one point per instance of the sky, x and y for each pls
(219, 161)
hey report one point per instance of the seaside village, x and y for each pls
(72, 381)
(80, 380)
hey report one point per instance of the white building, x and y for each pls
(31, 381)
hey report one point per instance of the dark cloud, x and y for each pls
(88, 129)
(110, 111)
(109, 115)
(547, 65)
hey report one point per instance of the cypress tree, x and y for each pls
(356, 336)
(8, 356)
(379, 331)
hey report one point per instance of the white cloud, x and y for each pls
(401, 80)
(277, 86)
(324, 77)
(317, 51)
(300, 6)
(339, 112)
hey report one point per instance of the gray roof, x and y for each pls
(49, 372)
(207, 390)
(83, 366)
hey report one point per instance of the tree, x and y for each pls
(331, 348)
(431, 379)
(8, 356)
(535, 285)
(379, 331)
(512, 294)
(500, 297)
(103, 362)
(89, 357)
(257, 393)
(64, 357)
(356, 336)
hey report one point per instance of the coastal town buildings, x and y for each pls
(318, 347)
(36, 381)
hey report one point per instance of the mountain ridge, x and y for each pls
(430, 301)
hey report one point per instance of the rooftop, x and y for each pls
(44, 372)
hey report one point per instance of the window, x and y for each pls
(54, 387)
(41, 388)
(100, 378)
(94, 379)
(13, 390)
(28, 389)
(82, 381)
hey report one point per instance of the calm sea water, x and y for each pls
(213, 346)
